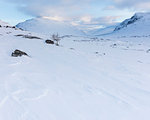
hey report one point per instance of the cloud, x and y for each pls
(52, 7)
(89, 22)
(133, 4)
(100, 20)
(75, 7)
(110, 7)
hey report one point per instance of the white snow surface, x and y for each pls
(47, 26)
(82, 79)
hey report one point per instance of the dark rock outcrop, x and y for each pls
(49, 42)
(28, 36)
(18, 53)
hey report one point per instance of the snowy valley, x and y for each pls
(102, 77)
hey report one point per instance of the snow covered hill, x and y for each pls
(2, 23)
(82, 79)
(138, 25)
(47, 26)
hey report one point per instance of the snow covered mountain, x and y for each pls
(47, 26)
(138, 25)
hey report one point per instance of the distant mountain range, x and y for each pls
(137, 25)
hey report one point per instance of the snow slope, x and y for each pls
(137, 25)
(82, 79)
(47, 26)
(102, 31)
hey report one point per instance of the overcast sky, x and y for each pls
(104, 12)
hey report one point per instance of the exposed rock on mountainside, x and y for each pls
(127, 22)
(136, 26)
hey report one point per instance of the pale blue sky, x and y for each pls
(10, 13)
(14, 11)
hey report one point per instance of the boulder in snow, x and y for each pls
(49, 42)
(18, 53)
